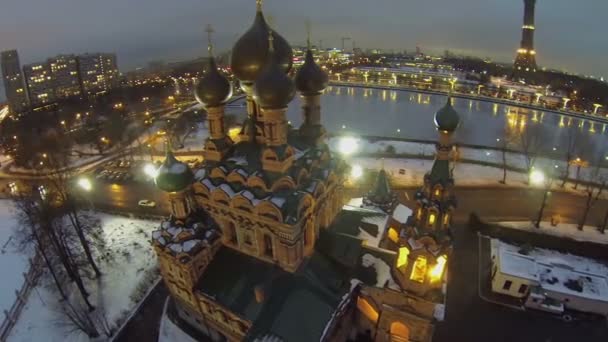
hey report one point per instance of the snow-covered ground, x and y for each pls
(589, 233)
(129, 257)
(12, 261)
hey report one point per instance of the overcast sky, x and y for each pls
(570, 34)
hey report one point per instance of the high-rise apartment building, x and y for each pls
(98, 72)
(64, 71)
(40, 84)
(12, 77)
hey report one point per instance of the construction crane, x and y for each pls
(344, 39)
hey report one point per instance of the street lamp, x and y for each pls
(538, 177)
(596, 108)
(348, 145)
(579, 163)
(85, 184)
(356, 172)
(566, 100)
(150, 170)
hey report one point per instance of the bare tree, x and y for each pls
(576, 143)
(531, 143)
(546, 192)
(505, 142)
(592, 195)
(60, 181)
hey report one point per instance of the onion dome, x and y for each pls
(310, 79)
(173, 175)
(446, 118)
(250, 53)
(213, 89)
(273, 89)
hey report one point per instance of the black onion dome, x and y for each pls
(250, 53)
(310, 78)
(273, 89)
(173, 175)
(213, 89)
(446, 118)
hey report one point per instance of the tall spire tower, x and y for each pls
(526, 55)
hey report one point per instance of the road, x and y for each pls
(491, 204)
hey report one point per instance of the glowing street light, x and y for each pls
(356, 172)
(596, 108)
(348, 145)
(537, 177)
(566, 100)
(150, 170)
(85, 184)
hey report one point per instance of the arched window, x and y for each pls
(367, 309)
(401, 330)
(231, 232)
(268, 250)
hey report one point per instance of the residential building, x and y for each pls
(12, 77)
(64, 71)
(98, 72)
(40, 84)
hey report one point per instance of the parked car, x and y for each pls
(147, 203)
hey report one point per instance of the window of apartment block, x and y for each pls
(507, 285)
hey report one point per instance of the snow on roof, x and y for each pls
(439, 312)
(227, 189)
(278, 201)
(561, 279)
(383, 271)
(401, 213)
(554, 271)
(206, 182)
(242, 172)
(190, 244)
(200, 174)
(518, 265)
(241, 160)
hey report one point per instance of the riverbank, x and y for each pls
(480, 98)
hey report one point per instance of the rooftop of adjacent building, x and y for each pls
(554, 272)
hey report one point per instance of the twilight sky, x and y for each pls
(570, 34)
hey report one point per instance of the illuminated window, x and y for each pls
(402, 258)
(437, 270)
(431, 219)
(393, 235)
(419, 213)
(446, 219)
(401, 330)
(437, 192)
(365, 307)
(419, 269)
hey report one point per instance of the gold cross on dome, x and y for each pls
(258, 5)
(209, 31)
(270, 41)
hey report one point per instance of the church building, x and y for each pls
(261, 244)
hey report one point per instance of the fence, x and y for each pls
(11, 315)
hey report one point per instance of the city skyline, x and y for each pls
(139, 34)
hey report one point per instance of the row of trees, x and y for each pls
(535, 141)
(54, 225)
